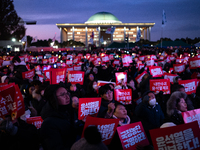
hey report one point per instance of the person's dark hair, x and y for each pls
(92, 135)
(104, 89)
(16, 58)
(176, 87)
(50, 95)
(117, 104)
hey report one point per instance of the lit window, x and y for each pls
(78, 32)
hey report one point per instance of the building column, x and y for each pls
(73, 33)
(99, 30)
(86, 41)
(145, 33)
(111, 36)
(149, 33)
(61, 35)
(124, 34)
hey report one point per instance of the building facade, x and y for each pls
(98, 24)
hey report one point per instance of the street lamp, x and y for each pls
(13, 39)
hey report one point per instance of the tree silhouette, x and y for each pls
(9, 27)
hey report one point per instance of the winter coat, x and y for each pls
(57, 130)
(82, 144)
(103, 108)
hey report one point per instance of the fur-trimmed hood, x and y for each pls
(171, 103)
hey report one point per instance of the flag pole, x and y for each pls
(161, 35)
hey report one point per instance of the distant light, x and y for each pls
(8, 46)
(127, 52)
(59, 51)
(74, 46)
(41, 50)
(16, 49)
(13, 39)
(151, 45)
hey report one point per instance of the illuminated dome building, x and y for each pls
(99, 23)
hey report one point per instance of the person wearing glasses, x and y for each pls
(58, 128)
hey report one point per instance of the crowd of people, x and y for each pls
(58, 104)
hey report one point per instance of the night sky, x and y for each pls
(183, 16)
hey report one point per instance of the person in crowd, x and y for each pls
(91, 141)
(58, 128)
(92, 89)
(18, 134)
(149, 112)
(175, 105)
(107, 102)
(144, 84)
(122, 85)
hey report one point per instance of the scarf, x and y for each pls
(126, 120)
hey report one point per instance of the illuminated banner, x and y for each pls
(140, 66)
(158, 85)
(180, 137)
(139, 77)
(149, 62)
(36, 121)
(132, 135)
(191, 116)
(69, 62)
(190, 85)
(57, 75)
(178, 68)
(28, 74)
(119, 76)
(11, 101)
(194, 63)
(105, 58)
(88, 106)
(123, 96)
(102, 83)
(116, 62)
(77, 68)
(52, 60)
(169, 76)
(75, 77)
(44, 61)
(107, 127)
(141, 58)
(156, 71)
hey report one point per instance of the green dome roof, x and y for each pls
(103, 17)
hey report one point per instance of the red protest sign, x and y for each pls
(132, 135)
(69, 62)
(28, 66)
(105, 58)
(140, 66)
(190, 85)
(153, 57)
(28, 74)
(119, 76)
(126, 59)
(150, 62)
(52, 60)
(57, 75)
(36, 121)
(141, 58)
(47, 74)
(158, 85)
(116, 62)
(75, 77)
(184, 137)
(191, 116)
(156, 71)
(41, 78)
(194, 63)
(179, 60)
(123, 96)
(77, 68)
(139, 77)
(70, 69)
(107, 127)
(88, 56)
(169, 76)
(111, 57)
(11, 101)
(88, 106)
(172, 57)
(178, 68)
(102, 83)
(44, 61)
